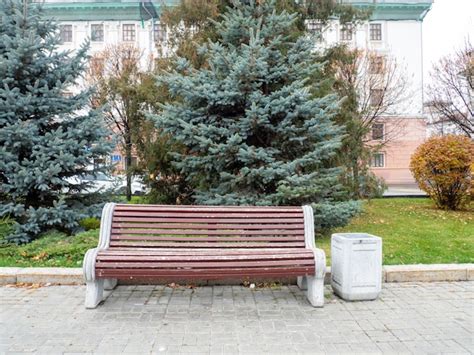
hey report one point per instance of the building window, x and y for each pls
(128, 33)
(65, 32)
(377, 131)
(159, 33)
(346, 32)
(376, 97)
(375, 31)
(376, 64)
(97, 33)
(378, 160)
(315, 28)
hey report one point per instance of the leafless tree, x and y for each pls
(451, 93)
(118, 74)
(376, 89)
(380, 89)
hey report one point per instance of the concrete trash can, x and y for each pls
(356, 266)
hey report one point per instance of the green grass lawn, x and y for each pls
(413, 232)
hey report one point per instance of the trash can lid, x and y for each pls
(356, 237)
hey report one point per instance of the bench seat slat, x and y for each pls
(197, 208)
(200, 264)
(210, 214)
(204, 273)
(184, 238)
(204, 245)
(236, 221)
(185, 225)
(142, 231)
(140, 257)
(202, 251)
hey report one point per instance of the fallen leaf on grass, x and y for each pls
(41, 256)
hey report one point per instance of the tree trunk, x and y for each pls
(355, 177)
(128, 166)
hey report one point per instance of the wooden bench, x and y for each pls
(145, 242)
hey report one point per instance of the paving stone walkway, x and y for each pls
(407, 318)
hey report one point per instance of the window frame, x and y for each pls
(103, 32)
(375, 137)
(372, 97)
(134, 31)
(315, 28)
(161, 38)
(61, 32)
(373, 31)
(376, 67)
(347, 33)
(374, 163)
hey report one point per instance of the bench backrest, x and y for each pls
(144, 226)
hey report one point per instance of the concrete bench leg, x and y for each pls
(315, 291)
(302, 282)
(110, 284)
(94, 293)
(315, 283)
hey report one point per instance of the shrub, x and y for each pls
(442, 168)
(90, 223)
(6, 227)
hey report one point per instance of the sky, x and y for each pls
(445, 29)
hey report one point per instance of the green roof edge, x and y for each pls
(87, 11)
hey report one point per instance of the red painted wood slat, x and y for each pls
(206, 245)
(204, 264)
(202, 251)
(210, 214)
(206, 273)
(205, 226)
(234, 252)
(218, 209)
(185, 238)
(235, 221)
(117, 231)
(182, 258)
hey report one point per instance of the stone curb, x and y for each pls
(391, 273)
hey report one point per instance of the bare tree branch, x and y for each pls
(117, 75)
(451, 93)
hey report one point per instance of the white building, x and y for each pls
(395, 29)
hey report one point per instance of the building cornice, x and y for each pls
(104, 11)
(395, 11)
(118, 10)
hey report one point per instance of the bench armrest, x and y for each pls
(106, 225)
(319, 255)
(309, 227)
(88, 265)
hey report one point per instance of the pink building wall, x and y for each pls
(403, 137)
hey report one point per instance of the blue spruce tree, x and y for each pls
(46, 136)
(255, 130)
